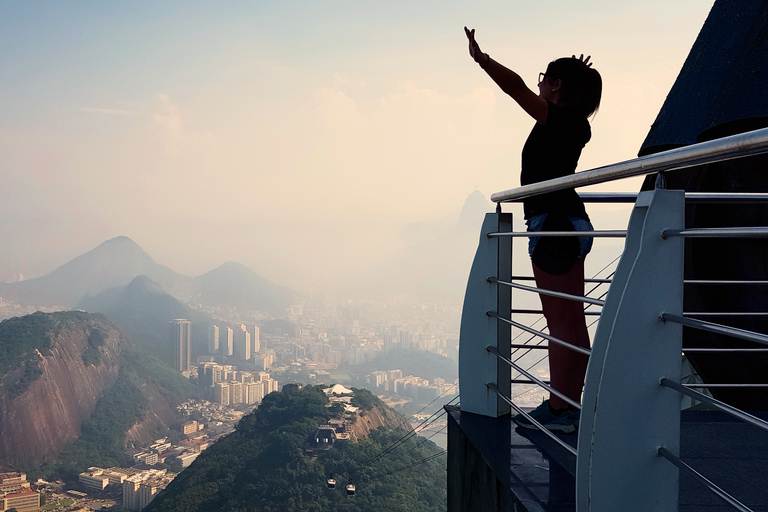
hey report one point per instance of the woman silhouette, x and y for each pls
(569, 92)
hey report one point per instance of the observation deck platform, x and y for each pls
(495, 466)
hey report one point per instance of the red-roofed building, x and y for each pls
(15, 492)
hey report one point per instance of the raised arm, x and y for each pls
(509, 81)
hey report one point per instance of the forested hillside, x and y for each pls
(261, 467)
(71, 386)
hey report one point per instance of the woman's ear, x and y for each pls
(556, 85)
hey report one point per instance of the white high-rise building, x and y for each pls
(406, 340)
(213, 339)
(254, 392)
(221, 393)
(264, 360)
(256, 340)
(228, 349)
(242, 343)
(181, 344)
(235, 392)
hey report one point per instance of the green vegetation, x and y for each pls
(365, 400)
(261, 467)
(53, 505)
(174, 465)
(21, 336)
(102, 437)
(148, 369)
(92, 354)
(30, 373)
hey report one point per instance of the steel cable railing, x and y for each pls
(716, 328)
(674, 459)
(539, 345)
(541, 384)
(718, 150)
(722, 149)
(533, 421)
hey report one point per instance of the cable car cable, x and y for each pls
(409, 435)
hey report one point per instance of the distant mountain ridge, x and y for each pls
(117, 262)
(143, 309)
(238, 286)
(113, 263)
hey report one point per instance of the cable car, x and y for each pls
(350, 488)
(331, 482)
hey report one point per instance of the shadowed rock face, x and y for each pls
(37, 423)
(375, 418)
(722, 90)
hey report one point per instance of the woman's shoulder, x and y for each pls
(569, 119)
(564, 113)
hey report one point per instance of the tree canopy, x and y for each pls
(261, 467)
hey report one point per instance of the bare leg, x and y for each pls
(566, 321)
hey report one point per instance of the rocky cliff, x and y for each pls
(81, 361)
(379, 416)
(75, 376)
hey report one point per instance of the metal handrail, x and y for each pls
(543, 291)
(523, 381)
(709, 484)
(607, 233)
(540, 312)
(725, 197)
(737, 146)
(734, 385)
(690, 197)
(539, 333)
(716, 328)
(725, 313)
(725, 281)
(534, 379)
(746, 232)
(726, 148)
(728, 409)
(586, 280)
(725, 349)
(538, 425)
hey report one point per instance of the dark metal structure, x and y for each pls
(722, 90)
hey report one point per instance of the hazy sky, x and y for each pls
(298, 138)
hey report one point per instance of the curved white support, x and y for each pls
(626, 414)
(477, 366)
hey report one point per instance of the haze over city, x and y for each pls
(243, 265)
(309, 141)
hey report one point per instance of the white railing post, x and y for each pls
(477, 366)
(627, 415)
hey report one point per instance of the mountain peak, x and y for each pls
(113, 263)
(122, 239)
(472, 213)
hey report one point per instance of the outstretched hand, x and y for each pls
(474, 48)
(582, 59)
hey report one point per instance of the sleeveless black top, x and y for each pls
(552, 151)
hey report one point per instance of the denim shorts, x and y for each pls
(536, 222)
